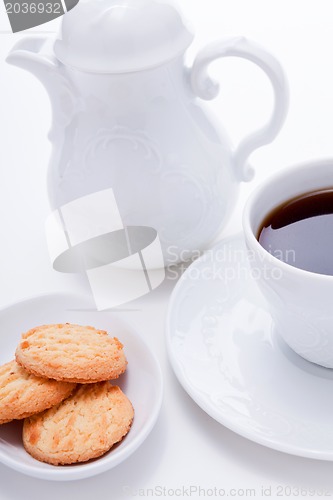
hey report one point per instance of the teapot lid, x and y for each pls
(121, 36)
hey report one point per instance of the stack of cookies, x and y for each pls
(60, 384)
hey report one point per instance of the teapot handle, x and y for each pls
(206, 88)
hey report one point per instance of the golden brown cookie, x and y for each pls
(71, 353)
(83, 427)
(23, 394)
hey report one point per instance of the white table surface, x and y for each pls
(186, 448)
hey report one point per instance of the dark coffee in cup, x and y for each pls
(300, 232)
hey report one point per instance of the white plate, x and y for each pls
(142, 382)
(225, 353)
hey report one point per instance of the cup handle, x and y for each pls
(206, 88)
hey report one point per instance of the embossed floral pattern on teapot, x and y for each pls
(128, 115)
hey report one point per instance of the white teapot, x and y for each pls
(127, 115)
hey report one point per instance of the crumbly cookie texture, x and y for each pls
(71, 353)
(83, 427)
(23, 394)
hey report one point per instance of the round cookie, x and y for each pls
(5, 421)
(83, 427)
(71, 353)
(23, 394)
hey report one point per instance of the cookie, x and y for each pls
(71, 353)
(23, 394)
(83, 427)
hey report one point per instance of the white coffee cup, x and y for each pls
(300, 302)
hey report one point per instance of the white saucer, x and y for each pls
(225, 353)
(142, 382)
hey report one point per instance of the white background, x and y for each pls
(187, 447)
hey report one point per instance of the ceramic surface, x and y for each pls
(300, 301)
(127, 117)
(227, 356)
(112, 36)
(142, 382)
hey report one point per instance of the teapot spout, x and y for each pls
(34, 54)
(27, 51)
